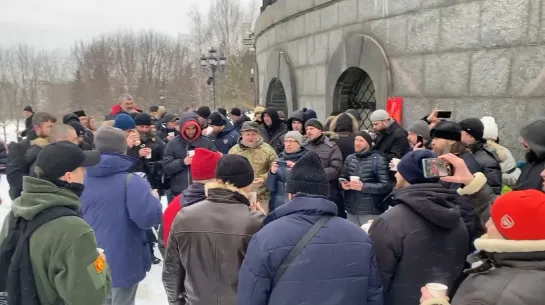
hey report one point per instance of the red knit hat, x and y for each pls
(203, 166)
(520, 215)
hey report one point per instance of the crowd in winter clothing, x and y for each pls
(275, 210)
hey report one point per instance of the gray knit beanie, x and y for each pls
(296, 135)
(420, 128)
(533, 135)
(110, 140)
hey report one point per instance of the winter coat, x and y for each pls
(510, 171)
(62, 252)
(176, 151)
(490, 165)
(206, 247)
(193, 194)
(274, 134)
(345, 126)
(530, 176)
(393, 142)
(513, 273)
(21, 161)
(261, 158)
(276, 183)
(338, 265)
(332, 160)
(237, 125)
(120, 208)
(374, 173)
(421, 240)
(226, 139)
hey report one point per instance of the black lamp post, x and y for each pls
(214, 64)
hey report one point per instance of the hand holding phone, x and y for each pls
(282, 163)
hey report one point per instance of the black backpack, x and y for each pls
(17, 285)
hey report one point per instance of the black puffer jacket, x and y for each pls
(374, 172)
(513, 273)
(530, 177)
(274, 134)
(344, 125)
(176, 151)
(421, 240)
(393, 142)
(490, 165)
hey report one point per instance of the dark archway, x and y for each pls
(355, 90)
(276, 96)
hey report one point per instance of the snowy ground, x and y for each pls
(150, 291)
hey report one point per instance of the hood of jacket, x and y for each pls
(303, 204)
(39, 142)
(532, 135)
(433, 202)
(527, 254)
(111, 164)
(298, 115)
(344, 122)
(275, 118)
(193, 194)
(185, 118)
(67, 118)
(39, 195)
(293, 157)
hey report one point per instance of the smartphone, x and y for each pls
(282, 163)
(435, 168)
(444, 114)
(342, 180)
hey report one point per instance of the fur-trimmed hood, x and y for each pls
(509, 246)
(331, 135)
(219, 185)
(344, 122)
(39, 142)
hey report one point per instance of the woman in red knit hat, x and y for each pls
(203, 170)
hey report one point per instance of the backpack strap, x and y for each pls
(46, 216)
(299, 247)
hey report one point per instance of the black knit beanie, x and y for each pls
(364, 134)
(314, 123)
(236, 170)
(474, 127)
(308, 176)
(204, 112)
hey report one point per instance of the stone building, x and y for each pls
(474, 57)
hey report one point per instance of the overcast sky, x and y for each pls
(56, 24)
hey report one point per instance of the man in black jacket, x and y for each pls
(472, 135)
(28, 113)
(392, 139)
(238, 118)
(534, 142)
(178, 154)
(167, 129)
(273, 130)
(422, 239)
(3, 156)
(296, 121)
(23, 154)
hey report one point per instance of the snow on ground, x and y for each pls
(150, 290)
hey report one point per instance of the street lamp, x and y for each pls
(213, 64)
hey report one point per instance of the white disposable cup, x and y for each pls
(437, 290)
(100, 251)
(366, 227)
(148, 156)
(354, 178)
(191, 153)
(171, 134)
(395, 162)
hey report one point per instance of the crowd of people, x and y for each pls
(272, 210)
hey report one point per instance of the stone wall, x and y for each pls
(477, 58)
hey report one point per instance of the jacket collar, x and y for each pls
(303, 204)
(392, 127)
(293, 157)
(225, 193)
(526, 254)
(508, 246)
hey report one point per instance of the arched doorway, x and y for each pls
(276, 96)
(355, 90)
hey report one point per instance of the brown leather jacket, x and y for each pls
(206, 247)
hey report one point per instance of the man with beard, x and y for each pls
(179, 152)
(223, 134)
(472, 136)
(127, 103)
(534, 142)
(149, 153)
(392, 139)
(273, 130)
(24, 154)
(422, 239)
(238, 118)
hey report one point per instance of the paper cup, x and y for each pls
(100, 251)
(171, 134)
(437, 290)
(395, 162)
(354, 178)
(366, 227)
(191, 153)
(148, 156)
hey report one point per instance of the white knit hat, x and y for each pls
(379, 115)
(490, 128)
